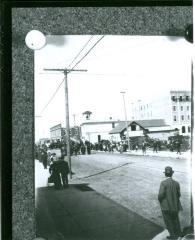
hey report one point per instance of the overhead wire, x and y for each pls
(88, 52)
(80, 51)
(54, 94)
(77, 54)
(63, 78)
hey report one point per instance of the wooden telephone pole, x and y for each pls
(128, 140)
(65, 72)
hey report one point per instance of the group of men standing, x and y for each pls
(59, 170)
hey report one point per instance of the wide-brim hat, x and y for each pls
(169, 170)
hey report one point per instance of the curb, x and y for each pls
(184, 155)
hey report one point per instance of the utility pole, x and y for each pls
(74, 117)
(123, 94)
(65, 72)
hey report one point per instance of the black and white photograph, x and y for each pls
(113, 137)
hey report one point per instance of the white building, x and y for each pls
(174, 108)
(156, 129)
(95, 131)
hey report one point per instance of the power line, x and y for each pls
(80, 51)
(88, 52)
(76, 55)
(72, 69)
(53, 95)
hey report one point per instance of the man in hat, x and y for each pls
(169, 198)
(53, 170)
(63, 170)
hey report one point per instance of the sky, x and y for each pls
(144, 67)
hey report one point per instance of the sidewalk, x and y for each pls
(80, 213)
(158, 154)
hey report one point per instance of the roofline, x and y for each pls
(100, 122)
(137, 122)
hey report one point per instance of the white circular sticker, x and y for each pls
(35, 40)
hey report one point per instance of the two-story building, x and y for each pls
(57, 132)
(95, 131)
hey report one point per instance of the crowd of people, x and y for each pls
(85, 147)
(53, 156)
(169, 191)
(59, 169)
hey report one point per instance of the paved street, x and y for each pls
(133, 181)
(128, 182)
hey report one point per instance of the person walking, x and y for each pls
(54, 172)
(44, 158)
(83, 149)
(178, 147)
(63, 170)
(169, 198)
(136, 148)
(143, 148)
(155, 147)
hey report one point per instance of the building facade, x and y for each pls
(137, 130)
(95, 131)
(174, 108)
(44, 141)
(57, 132)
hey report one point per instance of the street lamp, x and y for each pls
(123, 95)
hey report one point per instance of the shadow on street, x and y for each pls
(79, 212)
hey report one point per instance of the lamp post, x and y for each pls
(123, 95)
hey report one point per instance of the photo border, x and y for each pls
(17, 84)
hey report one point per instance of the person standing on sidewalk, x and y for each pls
(169, 198)
(63, 170)
(54, 172)
(155, 146)
(178, 147)
(143, 148)
(44, 158)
